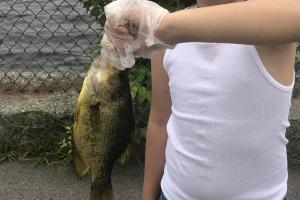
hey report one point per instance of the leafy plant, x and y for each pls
(96, 8)
(140, 84)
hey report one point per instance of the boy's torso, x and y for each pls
(227, 127)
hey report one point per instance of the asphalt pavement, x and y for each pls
(24, 181)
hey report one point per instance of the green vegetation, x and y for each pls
(95, 8)
(293, 147)
(140, 84)
(36, 136)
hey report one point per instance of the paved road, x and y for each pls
(21, 180)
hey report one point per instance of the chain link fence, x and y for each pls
(45, 45)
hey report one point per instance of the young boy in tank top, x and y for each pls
(220, 99)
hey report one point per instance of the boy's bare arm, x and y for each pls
(156, 133)
(248, 22)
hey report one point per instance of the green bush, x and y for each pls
(140, 84)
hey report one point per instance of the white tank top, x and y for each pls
(227, 127)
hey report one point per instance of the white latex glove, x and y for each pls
(130, 28)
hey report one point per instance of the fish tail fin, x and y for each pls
(101, 192)
(81, 167)
(123, 159)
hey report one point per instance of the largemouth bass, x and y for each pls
(103, 125)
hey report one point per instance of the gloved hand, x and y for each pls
(130, 28)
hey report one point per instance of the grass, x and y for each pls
(36, 136)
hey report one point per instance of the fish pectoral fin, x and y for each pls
(81, 167)
(123, 159)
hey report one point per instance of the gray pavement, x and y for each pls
(23, 181)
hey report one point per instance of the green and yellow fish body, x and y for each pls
(103, 125)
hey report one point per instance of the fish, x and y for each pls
(103, 126)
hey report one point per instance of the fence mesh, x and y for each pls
(45, 44)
